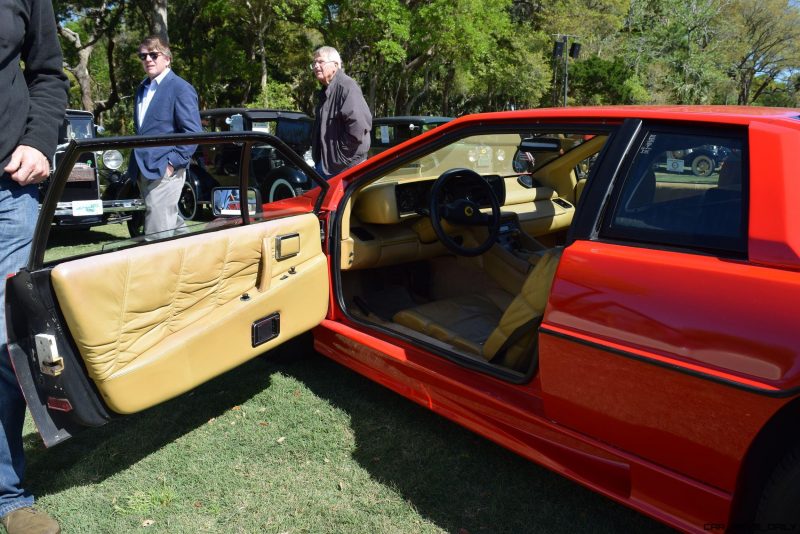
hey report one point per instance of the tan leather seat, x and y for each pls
(579, 187)
(496, 325)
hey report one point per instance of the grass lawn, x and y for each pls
(294, 443)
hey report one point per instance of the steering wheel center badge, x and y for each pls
(468, 211)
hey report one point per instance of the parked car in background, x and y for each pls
(700, 161)
(220, 166)
(539, 277)
(90, 194)
(391, 131)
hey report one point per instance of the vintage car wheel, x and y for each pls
(281, 189)
(187, 203)
(779, 502)
(463, 211)
(703, 165)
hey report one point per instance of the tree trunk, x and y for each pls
(262, 52)
(159, 20)
(81, 70)
(373, 88)
(81, 73)
(448, 82)
(113, 97)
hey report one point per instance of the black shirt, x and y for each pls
(33, 103)
(342, 125)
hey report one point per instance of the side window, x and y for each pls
(384, 135)
(102, 207)
(683, 190)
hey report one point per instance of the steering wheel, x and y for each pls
(464, 211)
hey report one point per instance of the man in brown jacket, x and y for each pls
(343, 121)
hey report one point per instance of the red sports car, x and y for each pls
(560, 281)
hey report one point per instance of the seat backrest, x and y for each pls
(579, 187)
(730, 175)
(721, 210)
(515, 330)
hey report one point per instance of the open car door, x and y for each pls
(103, 324)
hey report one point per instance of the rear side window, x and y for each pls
(683, 190)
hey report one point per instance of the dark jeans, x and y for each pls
(19, 209)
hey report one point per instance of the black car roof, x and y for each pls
(79, 113)
(255, 113)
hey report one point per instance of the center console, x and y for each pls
(515, 254)
(512, 238)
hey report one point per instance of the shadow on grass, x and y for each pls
(121, 443)
(70, 237)
(452, 477)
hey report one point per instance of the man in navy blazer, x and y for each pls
(165, 103)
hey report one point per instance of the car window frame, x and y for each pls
(76, 147)
(735, 248)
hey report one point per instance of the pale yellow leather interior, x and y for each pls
(527, 306)
(579, 187)
(518, 194)
(166, 317)
(485, 323)
(380, 245)
(465, 321)
(543, 216)
(560, 175)
(377, 205)
(536, 209)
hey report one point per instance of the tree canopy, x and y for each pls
(441, 57)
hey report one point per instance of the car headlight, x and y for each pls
(112, 159)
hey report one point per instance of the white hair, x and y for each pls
(329, 53)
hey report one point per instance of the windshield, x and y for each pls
(503, 154)
(76, 128)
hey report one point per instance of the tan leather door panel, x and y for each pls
(155, 321)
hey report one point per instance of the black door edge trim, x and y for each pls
(697, 374)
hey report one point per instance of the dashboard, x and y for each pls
(389, 203)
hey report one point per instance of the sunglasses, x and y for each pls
(153, 55)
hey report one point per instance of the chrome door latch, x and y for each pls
(50, 362)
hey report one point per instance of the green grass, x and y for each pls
(298, 444)
(67, 242)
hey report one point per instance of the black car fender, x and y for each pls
(283, 182)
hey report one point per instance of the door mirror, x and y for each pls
(226, 201)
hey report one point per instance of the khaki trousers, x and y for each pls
(162, 218)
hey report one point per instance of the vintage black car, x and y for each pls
(700, 161)
(390, 131)
(215, 166)
(91, 195)
(219, 165)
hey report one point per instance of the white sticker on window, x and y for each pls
(384, 134)
(674, 165)
(87, 207)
